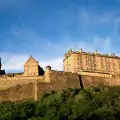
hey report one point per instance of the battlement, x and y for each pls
(96, 53)
(77, 61)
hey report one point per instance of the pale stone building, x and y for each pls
(80, 61)
(32, 68)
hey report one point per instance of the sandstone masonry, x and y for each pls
(81, 70)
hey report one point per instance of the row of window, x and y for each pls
(91, 64)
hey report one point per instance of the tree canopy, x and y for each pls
(101, 103)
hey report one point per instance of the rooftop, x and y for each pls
(96, 53)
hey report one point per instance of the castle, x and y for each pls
(81, 69)
(91, 62)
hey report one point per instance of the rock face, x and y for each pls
(17, 92)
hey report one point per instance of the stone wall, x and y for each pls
(51, 80)
(18, 92)
(21, 87)
(6, 82)
(62, 80)
(95, 80)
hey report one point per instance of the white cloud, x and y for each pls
(14, 62)
(56, 64)
(90, 17)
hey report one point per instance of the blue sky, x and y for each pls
(47, 29)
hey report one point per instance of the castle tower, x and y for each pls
(91, 63)
(47, 74)
(48, 69)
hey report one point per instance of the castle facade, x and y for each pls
(80, 61)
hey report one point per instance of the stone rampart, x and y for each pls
(6, 82)
(32, 86)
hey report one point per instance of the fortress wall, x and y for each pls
(6, 82)
(63, 80)
(98, 74)
(94, 80)
(18, 92)
(115, 80)
(31, 87)
(43, 87)
(57, 81)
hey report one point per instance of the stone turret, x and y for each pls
(47, 74)
(48, 69)
(65, 55)
(69, 52)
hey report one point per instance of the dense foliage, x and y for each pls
(101, 103)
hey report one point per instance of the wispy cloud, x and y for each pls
(103, 44)
(117, 25)
(56, 64)
(93, 16)
(93, 19)
(6, 4)
(15, 62)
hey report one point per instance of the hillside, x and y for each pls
(102, 103)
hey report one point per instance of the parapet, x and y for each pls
(68, 53)
(96, 53)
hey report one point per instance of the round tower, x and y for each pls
(48, 69)
(47, 74)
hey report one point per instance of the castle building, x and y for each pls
(80, 61)
(32, 68)
(2, 72)
(81, 69)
